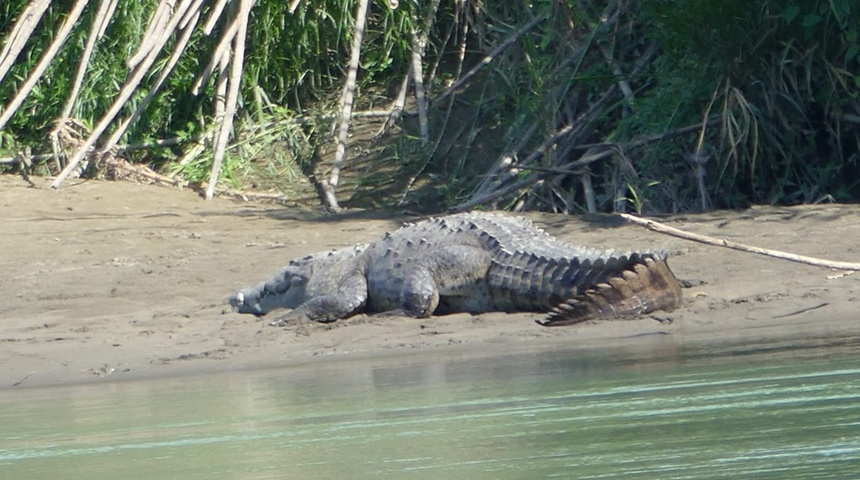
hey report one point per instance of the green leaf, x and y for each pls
(851, 53)
(811, 20)
(790, 14)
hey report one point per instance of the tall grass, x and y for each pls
(668, 105)
(295, 60)
(782, 75)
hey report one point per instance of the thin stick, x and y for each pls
(330, 185)
(490, 56)
(588, 191)
(178, 49)
(21, 32)
(419, 44)
(214, 15)
(623, 84)
(219, 54)
(155, 30)
(699, 158)
(130, 85)
(234, 83)
(642, 141)
(99, 25)
(721, 242)
(396, 109)
(528, 181)
(494, 179)
(135, 172)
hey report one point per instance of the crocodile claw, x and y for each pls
(290, 318)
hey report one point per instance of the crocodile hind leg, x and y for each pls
(453, 274)
(350, 298)
(420, 294)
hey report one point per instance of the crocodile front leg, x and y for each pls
(350, 298)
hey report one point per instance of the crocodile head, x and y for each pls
(284, 290)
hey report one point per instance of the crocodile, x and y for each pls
(470, 262)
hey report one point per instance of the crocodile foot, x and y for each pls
(293, 317)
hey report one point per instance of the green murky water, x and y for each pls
(526, 415)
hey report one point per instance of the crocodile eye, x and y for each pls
(281, 287)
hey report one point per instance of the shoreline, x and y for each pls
(646, 340)
(115, 281)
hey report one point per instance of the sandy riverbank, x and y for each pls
(106, 281)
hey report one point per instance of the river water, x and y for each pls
(750, 413)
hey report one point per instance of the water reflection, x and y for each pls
(655, 413)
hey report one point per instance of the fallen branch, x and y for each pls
(721, 242)
(121, 169)
(571, 168)
(157, 143)
(251, 196)
(495, 178)
(569, 131)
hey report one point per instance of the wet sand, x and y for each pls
(117, 281)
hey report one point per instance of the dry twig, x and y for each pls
(721, 242)
(570, 168)
(490, 56)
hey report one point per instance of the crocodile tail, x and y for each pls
(641, 288)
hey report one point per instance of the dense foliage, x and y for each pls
(666, 105)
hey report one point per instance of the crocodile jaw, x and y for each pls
(237, 301)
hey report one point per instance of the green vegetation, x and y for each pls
(659, 106)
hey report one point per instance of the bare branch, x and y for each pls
(330, 185)
(98, 28)
(20, 33)
(721, 242)
(526, 182)
(491, 56)
(46, 59)
(234, 83)
(178, 49)
(131, 84)
(568, 168)
(419, 44)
